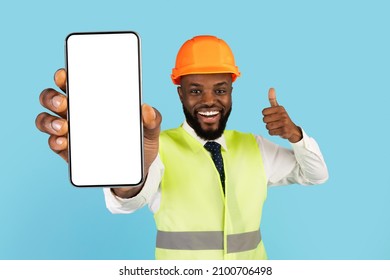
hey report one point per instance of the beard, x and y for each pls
(207, 134)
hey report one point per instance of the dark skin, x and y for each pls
(56, 126)
(206, 96)
(212, 93)
(278, 121)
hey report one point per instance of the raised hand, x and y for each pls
(56, 125)
(278, 121)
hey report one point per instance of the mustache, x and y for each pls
(210, 107)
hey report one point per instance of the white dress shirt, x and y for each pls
(304, 165)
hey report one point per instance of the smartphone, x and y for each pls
(104, 109)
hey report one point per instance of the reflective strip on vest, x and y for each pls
(240, 242)
(208, 240)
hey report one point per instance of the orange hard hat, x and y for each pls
(204, 55)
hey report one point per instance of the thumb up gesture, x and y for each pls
(278, 121)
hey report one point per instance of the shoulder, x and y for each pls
(239, 135)
(245, 135)
(170, 133)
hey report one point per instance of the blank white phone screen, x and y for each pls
(104, 99)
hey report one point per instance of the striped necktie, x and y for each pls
(215, 150)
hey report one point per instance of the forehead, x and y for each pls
(206, 79)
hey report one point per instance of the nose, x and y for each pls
(208, 97)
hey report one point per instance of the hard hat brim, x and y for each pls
(176, 73)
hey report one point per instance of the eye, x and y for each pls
(220, 91)
(195, 91)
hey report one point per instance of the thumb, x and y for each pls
(272, 97)
(151, 119)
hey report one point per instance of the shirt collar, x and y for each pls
(191, 131)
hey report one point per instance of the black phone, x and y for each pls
(104, 109)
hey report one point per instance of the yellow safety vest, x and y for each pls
(195, 219)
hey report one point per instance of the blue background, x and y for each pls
(329, 62)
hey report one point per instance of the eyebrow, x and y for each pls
(221, 84)
(195, 85)
(215, 85)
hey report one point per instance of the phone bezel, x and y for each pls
(141, 181)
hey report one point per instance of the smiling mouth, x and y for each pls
(208, 118)
(209, 114)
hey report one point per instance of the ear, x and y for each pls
(180, 93)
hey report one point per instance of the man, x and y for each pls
(206, 186)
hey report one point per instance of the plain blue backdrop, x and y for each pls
(328, 60)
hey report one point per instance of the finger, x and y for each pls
(51, 125)
(276, 125)
(278, 132)
(273, 110)
(151, 122)
(54, 101)
(272, 97)
(60, 79)
(272, 114)
(281, 132)
(151, 118)
(59, 145)
(271, 118)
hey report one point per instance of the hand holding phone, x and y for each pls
(55, 124)
(104, 109)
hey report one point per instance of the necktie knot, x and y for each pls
(213, 147)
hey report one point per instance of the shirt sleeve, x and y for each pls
(303, 164)
(118, 205)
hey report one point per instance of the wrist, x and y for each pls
(296, 136)
(126, 192)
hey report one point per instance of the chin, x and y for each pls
(209, 133)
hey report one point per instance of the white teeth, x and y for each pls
(209, 113)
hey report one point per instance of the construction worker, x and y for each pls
(205, 185)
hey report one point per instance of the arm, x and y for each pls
(151, 121)
(304, 164)
(147, 195)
